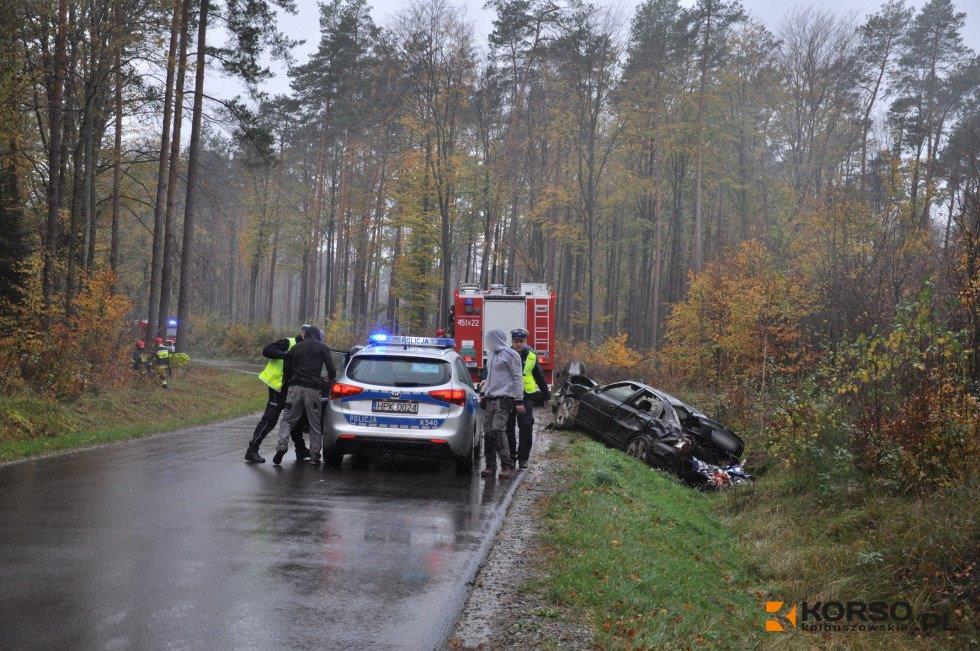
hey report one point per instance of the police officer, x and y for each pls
(535, 393)
(276, 376)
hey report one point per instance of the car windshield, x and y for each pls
(399, 371)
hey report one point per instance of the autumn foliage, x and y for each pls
(84, 348)
(738, 328)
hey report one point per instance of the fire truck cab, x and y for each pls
(476, 311)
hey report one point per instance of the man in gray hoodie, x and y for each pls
(503, 389)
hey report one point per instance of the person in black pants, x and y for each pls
(277, 373)
(536, 393)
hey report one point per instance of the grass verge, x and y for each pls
(842, 539)
(644, 558)
(30, 425)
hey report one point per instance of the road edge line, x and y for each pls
(461, 592)
(119, 442)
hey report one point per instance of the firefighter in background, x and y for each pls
(161, 362)
(139, 355)
(536, 393)
(276, 376)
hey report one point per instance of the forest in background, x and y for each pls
(781, 225)
(612, 159)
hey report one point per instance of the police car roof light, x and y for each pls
(381, 339)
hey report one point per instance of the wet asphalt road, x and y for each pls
(173, 541)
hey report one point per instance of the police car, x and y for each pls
(409, 396)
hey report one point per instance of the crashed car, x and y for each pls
(654, 427)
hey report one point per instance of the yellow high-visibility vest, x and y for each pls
(272, 373)
(530, 386)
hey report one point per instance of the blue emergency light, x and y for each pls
(384, 339)
(172, 323)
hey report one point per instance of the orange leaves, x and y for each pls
(739, 324)
(85, 349)
(615, 352)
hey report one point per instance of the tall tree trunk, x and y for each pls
(270, 294)
(657, 271)
(169, 234)
(94, 98)
(117, 142)
(392, 298)
(55, 93)
(159, 207)
(190, 201)
(697, 253)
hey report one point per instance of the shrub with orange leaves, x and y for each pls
(85, 349)
(738, 328)
(612, 360)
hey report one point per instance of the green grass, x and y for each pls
(30, 425)
(841, 538)
(644, 558)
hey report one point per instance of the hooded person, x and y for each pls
(503, 389)
(276, 376)
(307, 359)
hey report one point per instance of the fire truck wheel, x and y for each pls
(565, 413)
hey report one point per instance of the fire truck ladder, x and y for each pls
(542, 329)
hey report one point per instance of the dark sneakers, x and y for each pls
(488, 472)
(252, 456)
(522, 465)
(315, 458)
(278, 458)
(302, 454)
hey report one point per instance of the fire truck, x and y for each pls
(476, 311)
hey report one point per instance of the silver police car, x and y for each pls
(409, 396)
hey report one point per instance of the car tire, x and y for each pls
(332, 458)
(361, 462)
(640, 447)
(467, 465)
(566, 412)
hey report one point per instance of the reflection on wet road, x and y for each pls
(175, 541)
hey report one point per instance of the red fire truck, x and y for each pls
(476, 311)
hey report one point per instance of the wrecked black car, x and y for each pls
(654, 427)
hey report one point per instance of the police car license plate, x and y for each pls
(394, 407)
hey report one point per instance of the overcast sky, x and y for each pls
(305, 25)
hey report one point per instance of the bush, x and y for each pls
(612, 360)
(908, 390)
(247, 341)
(85, 349)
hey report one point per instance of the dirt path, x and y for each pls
(508, 607)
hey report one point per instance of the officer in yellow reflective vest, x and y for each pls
(536, 392)
(276, 375)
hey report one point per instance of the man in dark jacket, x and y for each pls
(307, 360)
(276, 376)
(536, 393)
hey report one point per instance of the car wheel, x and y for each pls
(332, 458)
(640, 447)
(566, 413)
(361, 462)
(467, 465)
